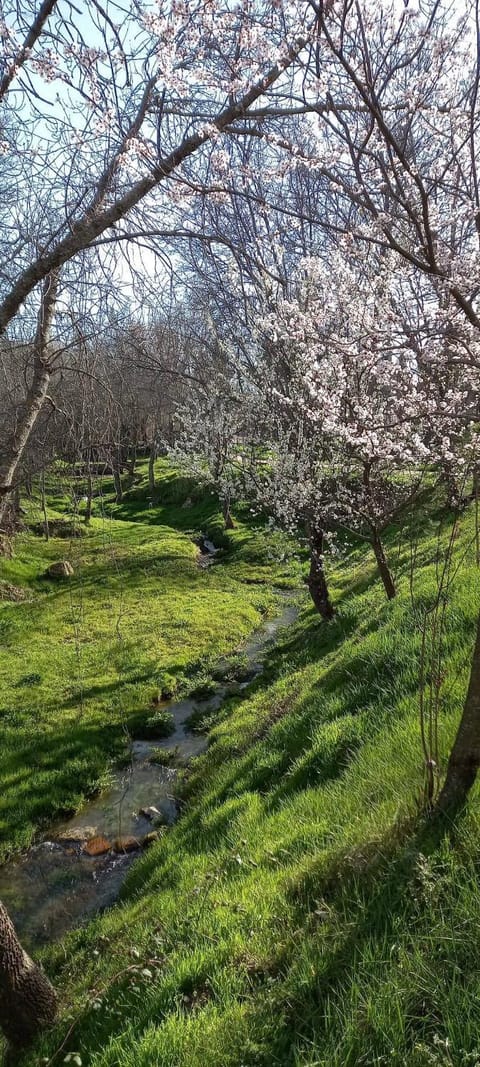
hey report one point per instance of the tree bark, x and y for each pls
(117, 481)
(384, 570)
(465, 755)
(88, 509)
(28, 1002)
(316, 581)
(37, 392)
(151, 467)
(44, 509)
(131, 462)
(227, 516)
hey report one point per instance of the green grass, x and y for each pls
(301, 912)
(82, 659)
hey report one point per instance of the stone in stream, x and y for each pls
(150, 813)
(78, 834)
(126, 844)
(150, 838)
(209, 546)
(61, 569)
(97, 846)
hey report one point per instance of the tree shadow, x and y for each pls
(378, 887)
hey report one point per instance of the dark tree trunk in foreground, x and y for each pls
(465, 755)
(28, 1002)
(383, 568)
(316, 580)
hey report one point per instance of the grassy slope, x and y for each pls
(81, 661)
(298, 914)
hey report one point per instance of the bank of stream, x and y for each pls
(58, 883)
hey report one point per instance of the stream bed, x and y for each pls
(79, 867)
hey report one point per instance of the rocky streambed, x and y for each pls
(79, 867)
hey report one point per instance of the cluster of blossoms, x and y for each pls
(355, 400)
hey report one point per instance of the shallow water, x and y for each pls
(55, 885)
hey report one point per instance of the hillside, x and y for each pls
(301, 911)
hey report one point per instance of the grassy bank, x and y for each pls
(81, 659)
(301, 912)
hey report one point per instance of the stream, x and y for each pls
(57, 883)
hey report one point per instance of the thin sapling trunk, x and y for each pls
(383, 568)
(316, 581)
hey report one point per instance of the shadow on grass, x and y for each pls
(69, 765)
(372, 890)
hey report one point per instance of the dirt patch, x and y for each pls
(13, 593)
(59, 528)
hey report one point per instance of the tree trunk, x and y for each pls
(88, 509)
(227, 516)
(44, 509)
(476, 497)
(131, 462)
(384, 570)
(151, 467)
(316, 581)
(465, 755)
(117, 481)
(28, 1002)
(35, 398)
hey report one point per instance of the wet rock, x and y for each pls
(97, 846)
(78, 833)
(61, 569)
(126, 844)
(209, 546)
(150, 838)
(150, 813)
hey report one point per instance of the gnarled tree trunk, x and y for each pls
(316, 581)
(28, 1002)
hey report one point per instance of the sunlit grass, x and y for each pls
(82, 659)
(302, 912)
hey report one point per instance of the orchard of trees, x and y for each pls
(248, 233)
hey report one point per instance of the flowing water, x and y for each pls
(56, 884)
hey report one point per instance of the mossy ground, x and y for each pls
(302, 912)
